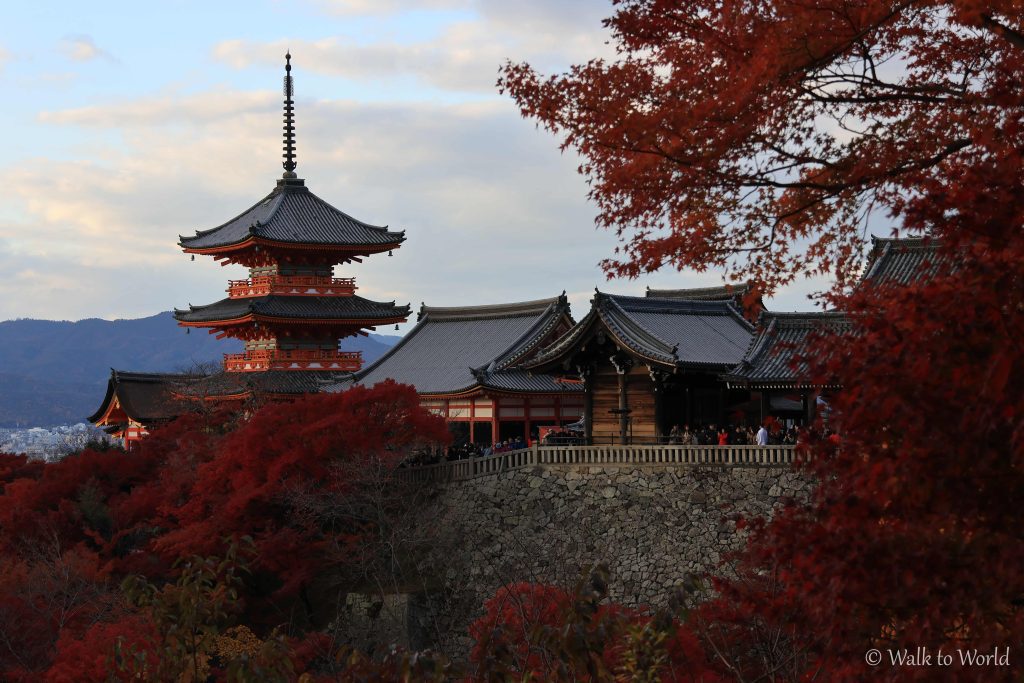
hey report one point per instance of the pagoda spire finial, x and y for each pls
(289, 120)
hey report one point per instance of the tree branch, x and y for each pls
(1015, 38)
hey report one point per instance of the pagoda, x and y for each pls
(291, 312)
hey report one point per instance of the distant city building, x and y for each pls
(51, 443)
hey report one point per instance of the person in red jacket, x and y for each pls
(723, 437)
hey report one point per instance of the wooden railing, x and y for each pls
(612, 456)
(293, 359)
(291, 285)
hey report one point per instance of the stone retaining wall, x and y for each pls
(652, 525)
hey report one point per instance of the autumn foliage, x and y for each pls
(762, 138)
(71, 532)
(767, 138)
(534, 632)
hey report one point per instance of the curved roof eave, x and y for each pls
(319, 220)
(108, 398)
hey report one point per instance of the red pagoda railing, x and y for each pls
(293, 359)
(291, 285)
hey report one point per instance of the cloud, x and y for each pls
(5, 57)
(82, 48)
(384, 7)
(465, 56)
(167, 108)
(493, 212)
(550, 17)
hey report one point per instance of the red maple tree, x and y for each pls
(761, 137)
(71, 531)
(317, 445)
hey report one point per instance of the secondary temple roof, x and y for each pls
(672, 332)
(143, 397)
(775, 357)
(737, 294)
(902, 260)
(455, 350)
(323, 308)
(721, 293)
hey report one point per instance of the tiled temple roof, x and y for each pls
(783, 339)
(902, 260)
(145, 397)
(267, 382)
(736, 293)
(293, 214)
(455, 350)
(294, 307)
(676, 333)
(721, 293)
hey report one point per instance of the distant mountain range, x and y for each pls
(55, 372)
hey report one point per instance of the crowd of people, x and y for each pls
(464, 451)
(473, 450)
(731, 435)
(701, 435)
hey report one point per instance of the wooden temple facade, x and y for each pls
(650, 363)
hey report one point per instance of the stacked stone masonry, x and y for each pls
(652, 525)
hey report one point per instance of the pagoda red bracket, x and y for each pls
(293, 359)
(283, 285)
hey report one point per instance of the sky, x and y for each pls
(127, 124)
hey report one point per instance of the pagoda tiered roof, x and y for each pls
(777, 355)
(292, 215)
(270, 382)
(458, 350)
(672, 333)
(312, 309)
